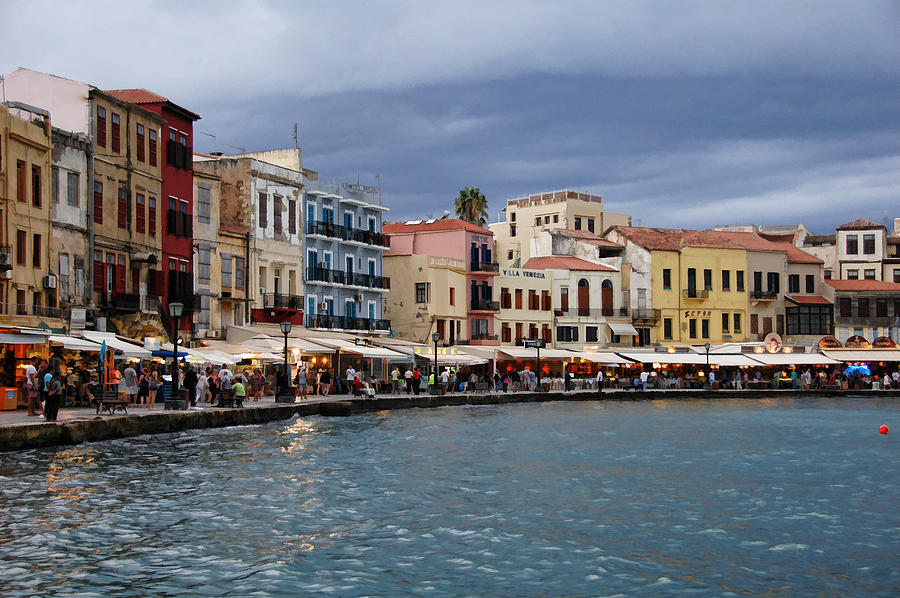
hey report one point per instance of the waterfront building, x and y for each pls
(124, 237)
(866, 308)
(261, 198)
(526, 305)
(343, 245)
(456, 287)
(27, 287)
(221, 254)
(523, 219)
(172, 149)
(696, 279)
(808, 309)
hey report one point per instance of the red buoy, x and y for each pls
(883, 429)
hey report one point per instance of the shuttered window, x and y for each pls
(101, 126)
(151, 217)
(115, 131)
(141, 143)
(153, 147)
(123, 209)
(140, 213)
(98, 202)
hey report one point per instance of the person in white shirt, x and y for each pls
(599, 379)
(408, 378)
(351, 377)
(644, 376)
(445, 380)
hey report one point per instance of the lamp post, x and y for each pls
(537, 343)
(706, 346)
(175, 311)
(283, 398)
(435, 337)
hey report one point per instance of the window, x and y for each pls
(292, 218)
(739, 282)
(73, 182)
(590, 224)
(512, 230)
(869, 244)
(36, 186)
(509, 255)
(726, 280)
(757, 282)
(151, 217)
(21, 250)
(809, 319)
(704, 327)
(203, 263)
(590, 334)
(545, 300)
(452, 296)
(153, 147)
(519, 334)
(852, 274)
(667, 329)
(505, 333)
(567, 334)
(101, 126)
(518, 298)
(276, 209)
(827, 273)
(546, 219)
(852, 244)
(123, 208)
(54, 184)
(707, 280)
(793, 283)
(36, 250)
(667, 278)
(881, 310)
(810, 283)
(725, 324)
(577, 223)
(140, 217)
(140, 143)
(844, 307)
(897, 276)
(773, 282)
(692, 328)
(505, 298)
(20, 180)
(533, 300)
(239, 273)
(863, 306)
(537, 221)
(869, 274)
(114, 130)
(556, 218)
(98, 202)
(203, 202)
(64, 276)
(263, 211)
(736, 320)
(226, 270)
(564, 299)
(421, 292)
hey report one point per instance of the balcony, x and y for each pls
(695, 293)
(5, 258)
(127, 302)
(645, 314)
(354, 235)
(42, 311)
(758, 295)
(484, 305)
(325, 229)
(332, 322)
(481, 338)
(489, 267)
(348, 278)
(282, 301)
(592, 312)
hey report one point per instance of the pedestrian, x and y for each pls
(239, 391)
(445, 381)
(408, 379)
(200, 394)
(395, 380)
(532, 380)
(31, 387)
(153, 387)
(54, 394)
(498, 384)
(415, 378)
(301, 381)
(505, 381)
(567, 381)
(351, 378)
(131, 384)
(190, 385)
(143, 388)
(599, 379)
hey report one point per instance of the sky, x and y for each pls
(682, 114)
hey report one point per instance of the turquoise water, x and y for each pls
(783, 497)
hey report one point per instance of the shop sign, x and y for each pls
(697, 313)
(523, 273)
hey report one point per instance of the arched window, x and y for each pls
(606, 297)
(584, 297)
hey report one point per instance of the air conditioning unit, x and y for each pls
(5, 258)
(7, 274)
(358, 298)
(323, 305)
(213, 334)
(50, 282)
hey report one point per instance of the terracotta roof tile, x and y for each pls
(808, 299)
(798, 256)
(441, 224)
(137, 96)
(752, 241)
(860, 224)
(561, 262)
(674, 239)
(863, 285)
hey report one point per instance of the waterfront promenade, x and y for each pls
(18, 431)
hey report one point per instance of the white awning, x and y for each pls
(453, 359)
(620, 329)
(653, 357)
(602, 357)
(481, 352)
(114, 342)
(730, 360)
(7, 338)
(74, 343)
(531, 353)
(374, 352)
(867, 355)
(307, 347)
(792, 359)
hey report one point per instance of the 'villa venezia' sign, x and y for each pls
(523, 273)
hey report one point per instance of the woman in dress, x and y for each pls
(154, 387)
(202, 386)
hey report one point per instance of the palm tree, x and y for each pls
(471, 206)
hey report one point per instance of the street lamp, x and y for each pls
(436, 336)
(175, 310)
(706, 346)
(285, 330)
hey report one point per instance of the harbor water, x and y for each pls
(781, 497)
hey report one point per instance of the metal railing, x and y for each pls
(339, 231)
(477, 336)
(695, 294)
(591, 312)
(646, 313)
(22, 309)
(348, 278)
(768, 295)
(122, 301)
(282, 301)
(332, 322)
(479, 266)
(485, 305)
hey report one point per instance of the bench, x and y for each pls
(109, 403)
(482, 387)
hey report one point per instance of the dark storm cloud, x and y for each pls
(688, 114)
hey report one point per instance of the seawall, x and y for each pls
(24, 436)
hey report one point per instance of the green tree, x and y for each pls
(471, 206)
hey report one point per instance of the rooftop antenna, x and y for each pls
(213, 135)
(296, 135)
(3, 87)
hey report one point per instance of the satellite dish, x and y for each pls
(773, 342)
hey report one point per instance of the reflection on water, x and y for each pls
(782, 498)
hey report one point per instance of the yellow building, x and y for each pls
(27, 290)
(693, 282)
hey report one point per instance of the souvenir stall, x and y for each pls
(17, 346)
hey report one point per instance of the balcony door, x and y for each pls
(474, 294)
(692, 282)
(584, 297)
(277, 285)
(606, 297)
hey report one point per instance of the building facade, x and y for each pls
(866, 308)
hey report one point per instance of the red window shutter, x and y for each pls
(151, 217)
(20, 180)
(99, 269)
(98, 203)
(120, 275)
(140, 215)
(153, 149)
(101, 126)
(116, 142)
(140, 143)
